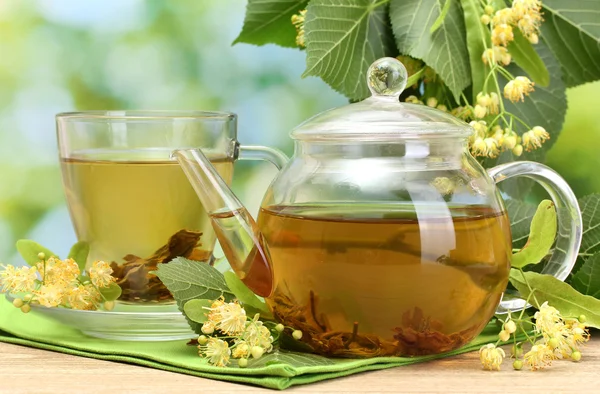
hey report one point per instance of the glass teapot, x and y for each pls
(382, 235)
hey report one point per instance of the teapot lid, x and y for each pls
(382, 116)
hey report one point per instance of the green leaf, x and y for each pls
(194, 310)
(445, 50)
(29, 250)
(477, 34)
(79, 252)
(110, 293)
(269, 22)
(558, 294)
(590, 214)
(343, 38)
(520, 214)
(526, 57)
(587, 279)
(440, 19)
(188, 280)
(293, 359)
(246, 296)
(415, 77)
(541, 236)
(572, 30)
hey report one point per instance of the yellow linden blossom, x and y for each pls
(256, 334)
(502, 34)
(50, 295)
(494, 106)
(504, 16)
(217, 351)
(298, 22)
(59, 272)
(491, 357)
(82, 297)
(241, 350)
(534, 138)
(229, 318)
(546, 318)
(493, 147)
(540, 356)
(518, 88)
(17, 280)
(100, 274)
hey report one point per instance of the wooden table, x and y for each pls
(26, 370)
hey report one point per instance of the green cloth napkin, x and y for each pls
(38, 331)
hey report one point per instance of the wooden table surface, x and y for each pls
(27, 370)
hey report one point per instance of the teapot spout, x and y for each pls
(242, 243)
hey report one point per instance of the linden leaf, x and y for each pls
(445, 50)
(246, 296)
(587, 279)
(541, 236)
(111, 293)
(269, 21)
(558, 294)
(477, 35)
(520, 214)
(194, 310)
(29, 250)
(572, 31)
(590, 214)
(187, 279)
(79, 252)
(343, 38)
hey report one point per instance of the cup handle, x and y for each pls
(248, 152)
(568, 214)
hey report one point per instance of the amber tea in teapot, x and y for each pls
(411, 286)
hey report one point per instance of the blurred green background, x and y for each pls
(64, 55)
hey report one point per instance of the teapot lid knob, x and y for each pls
(387, 77)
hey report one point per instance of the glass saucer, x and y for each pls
(125, 323)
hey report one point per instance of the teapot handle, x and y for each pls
(568, 214)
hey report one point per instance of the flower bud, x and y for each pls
(510, 141)
(279, 327)
(489, 9)
(553, 343)
(582, 318)
(533, 38)
(504, 335)
(485, 19)
(243, 362)
(510, 326)
(518, 150)
(432, 102)
(17, 302)
(480, 111)
(25, 308)
(297, 334)
(257, 351)
(576, 356)
(518, 364)
(41, 255)
(202, 339)
(208, 328)
(442, 107)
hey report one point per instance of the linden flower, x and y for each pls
(217, 351)
(491, 357)
(529, 25)
(546, 318)
(504, 16)
(480, 111)
(241, 349)
(539, 356)
(298, 22)
(518, 88)
(479, 147)
(493, 147)
(82, 297)
(229, 318)
(100, 274)
(59, 272)
(502, 34)
(256, 334)
(18, 280)
(50, 295)
(496, 54)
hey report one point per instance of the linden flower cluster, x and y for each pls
(298, 22)
(53, 282)
(230, 334)
(555, 337)
(494, 131)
